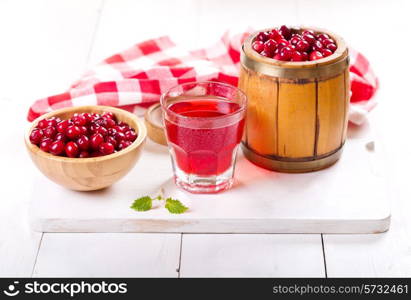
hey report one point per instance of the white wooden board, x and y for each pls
(45, 45)
(108, 255)
(348, 197)
(383, 255)
(252, 255)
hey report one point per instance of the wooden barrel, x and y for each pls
(297, 112)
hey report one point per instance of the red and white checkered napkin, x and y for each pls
(140, 74)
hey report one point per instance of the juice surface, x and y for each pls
(208, 150)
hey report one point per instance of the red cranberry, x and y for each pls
(297, 56)
(101, 122)
(56, 148)
(295, 39)
(275, 35)
(263, 53)
(326, 52)
(307, 31)
(309, 38)
(325, 42)
(45, 144)
(102, 130)
(111, 123)
(263, 36)
(106, 148)
(122, 124)
(88, 117)
(112, 140)
(108, 115)
(317, 46)
(79, 120)
(60, 137)
(123, 144)
(71, 149)
(315, 55)
(50, 132)
(322, 36)
(93, 127)
(285, 53)
(84, 130)
(285, 32)
(96, 140)
(73, 132)
(332, 47)
(120, 137)
(95, 154)
(305, 56)
(121, 128)
(52, 122)
(270, 46)
(43, 124)
(130, 136)
(112, 131)
(36, 136)
(63, 125)
(83, 142)
(302, 46)
(84, 154)
(283, 43)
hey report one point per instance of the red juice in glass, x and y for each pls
(203, 133)
(204, 151)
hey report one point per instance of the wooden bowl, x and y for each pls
(154, 122)
(88, 174)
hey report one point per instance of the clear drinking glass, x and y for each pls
(204, 124)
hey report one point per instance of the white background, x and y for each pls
(45, 45)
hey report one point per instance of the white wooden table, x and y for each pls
(47, 44)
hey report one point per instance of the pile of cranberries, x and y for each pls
(83, 135)
(288, 45)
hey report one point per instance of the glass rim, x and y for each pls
(241, 109)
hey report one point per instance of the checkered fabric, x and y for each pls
(139, 75)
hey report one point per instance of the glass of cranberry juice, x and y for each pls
(204, 124)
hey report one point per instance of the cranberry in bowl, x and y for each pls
(86, 148)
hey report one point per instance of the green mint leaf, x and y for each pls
(175, 206)
(142, 204)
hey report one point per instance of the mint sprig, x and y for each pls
(174, 206)
(145, 203)
(142, 204)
